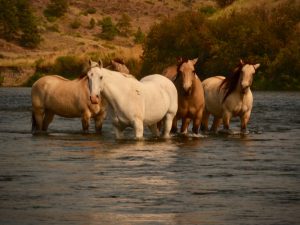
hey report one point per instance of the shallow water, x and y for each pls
(66, 177)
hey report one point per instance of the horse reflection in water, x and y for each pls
(229, 97)
(135, 103)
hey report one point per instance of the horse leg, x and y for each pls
(226, 121)
(196, 125)
(204, 122)
(216, 123)
(154, 129)
(85, 121)
(37, 119)
(99, 121)
(244, 121)
(174, 125)
(138, 128)
(185, 125)
(168, 123)
(47, 119)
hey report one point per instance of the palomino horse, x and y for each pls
(135, 103)
(190, 97)
(54, 94)
(229, 97)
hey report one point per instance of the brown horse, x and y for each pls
(54, 94)
(119, 66)
(190, 97)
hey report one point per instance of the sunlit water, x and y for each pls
(66, 177)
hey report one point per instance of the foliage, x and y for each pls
(109, 29)
(124, 25)
(269, 37)
(75, 24)
(17, 22)
(224, 3)
(92, 23)
(184, 35)
(139, 36)
(56, 8)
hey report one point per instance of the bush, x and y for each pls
(56, 8)
(109, 30)
(75, 24)
(124, 25)
(17, 22)
(184, 35)
(139, 36)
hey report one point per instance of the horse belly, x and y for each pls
(65, 107)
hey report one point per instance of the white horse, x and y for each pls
(135, 103)
(229, 97)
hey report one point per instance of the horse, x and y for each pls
(171, 71)
(190, 97)
(135, 103)
(119, 65)
(229, 97)
(55, 95)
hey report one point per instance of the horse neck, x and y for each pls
(110, 89)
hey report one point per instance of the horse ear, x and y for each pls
(242, 62)
(195, 61)
(100, 63)
(256, 66)
(90, 62)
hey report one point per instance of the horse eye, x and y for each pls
(101, 78)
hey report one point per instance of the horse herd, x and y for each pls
(157, 101)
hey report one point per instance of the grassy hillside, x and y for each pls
(74, 34)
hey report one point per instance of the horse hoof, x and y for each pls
(245, 132)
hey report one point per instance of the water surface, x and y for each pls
(67, 177)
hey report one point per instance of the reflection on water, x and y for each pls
(67, 177)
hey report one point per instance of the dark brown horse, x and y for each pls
(190, 97)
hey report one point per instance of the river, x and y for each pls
(66, 177)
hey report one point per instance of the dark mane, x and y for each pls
(82, 76)
(231, 81)
(179, 64)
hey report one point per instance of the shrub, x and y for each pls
(17, 22)
(75, 24)
(109, 30)
(56, 8)
(139, 36)
(124, 25)
(92, 23)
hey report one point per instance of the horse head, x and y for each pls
(246, 76)
(94, 78)
(186, 70)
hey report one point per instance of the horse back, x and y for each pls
(68, 98)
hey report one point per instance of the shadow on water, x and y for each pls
(65, 176)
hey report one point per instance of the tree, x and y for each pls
(139, 36)
(56, 8)
(124, 25)
(109, 30)
(17, 22)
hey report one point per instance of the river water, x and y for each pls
(67, 177)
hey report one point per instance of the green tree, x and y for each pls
(139, 36)
(184, 35)
(28, 24)
(17, 22)
(124, 25)
(109, 30)
(56, 8)
(9, 23)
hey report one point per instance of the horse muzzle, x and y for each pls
(95, 99)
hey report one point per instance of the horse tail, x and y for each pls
(33, 123)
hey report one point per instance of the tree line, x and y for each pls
(269, 36)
